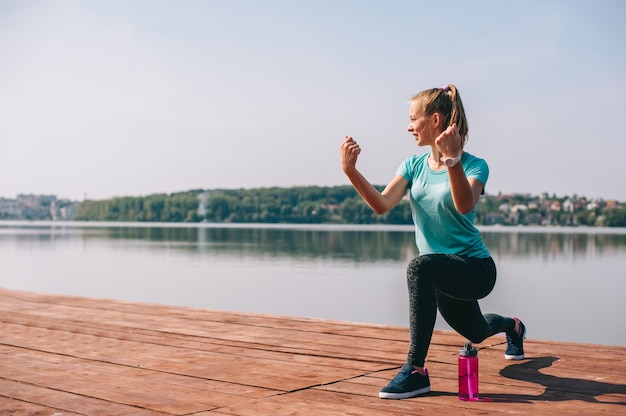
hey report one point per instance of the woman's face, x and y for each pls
(420, 125)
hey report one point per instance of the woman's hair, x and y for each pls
(447, 102)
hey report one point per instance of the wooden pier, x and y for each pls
(66, 356)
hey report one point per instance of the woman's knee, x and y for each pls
(420, 263)
(420, 268)
(415, 267)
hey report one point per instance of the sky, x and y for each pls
(126, 98)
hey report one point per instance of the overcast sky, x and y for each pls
(113, 98)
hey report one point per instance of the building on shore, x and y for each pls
(37, 207)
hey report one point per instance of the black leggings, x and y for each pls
(453, 284)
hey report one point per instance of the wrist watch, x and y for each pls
(451, 161)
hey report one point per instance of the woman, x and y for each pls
(454, 268)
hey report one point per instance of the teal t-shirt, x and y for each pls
(439, 227)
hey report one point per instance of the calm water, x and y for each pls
(566, 284)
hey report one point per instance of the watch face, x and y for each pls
(449, 162)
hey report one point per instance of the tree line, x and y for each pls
(305, 204)
(335, 204)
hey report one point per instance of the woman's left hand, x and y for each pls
(449, 142)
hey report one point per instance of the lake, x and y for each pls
(566, 284)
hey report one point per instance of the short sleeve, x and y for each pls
(404, 171)
(478, 169)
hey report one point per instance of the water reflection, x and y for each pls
(549, 246)
(355, 245)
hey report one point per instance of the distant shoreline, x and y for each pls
(312, 227)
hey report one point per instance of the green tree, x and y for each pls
(615, 217)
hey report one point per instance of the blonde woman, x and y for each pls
(454, 268)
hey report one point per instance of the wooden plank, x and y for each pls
(304, 349)
(259, 372)
(29, 399)
(14, 407)
(262, 335)
(318, 402)
(494, 396)
(104, 382)
(99, 357)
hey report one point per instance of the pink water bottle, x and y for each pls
(468, 373)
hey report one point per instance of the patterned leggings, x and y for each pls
(453, 284)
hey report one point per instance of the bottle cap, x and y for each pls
(468, 351)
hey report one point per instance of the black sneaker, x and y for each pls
(408, 383)
(515, 343)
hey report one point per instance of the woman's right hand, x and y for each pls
(350, 151)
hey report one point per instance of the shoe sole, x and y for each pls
(407, 395)
(514, 357)
(517, 357)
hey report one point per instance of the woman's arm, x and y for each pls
(465, 192)
(380, 202)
